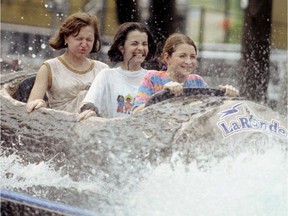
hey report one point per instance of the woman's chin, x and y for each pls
(185, 73)
(138, 61)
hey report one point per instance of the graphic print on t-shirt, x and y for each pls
(120, 100)
(125, 104)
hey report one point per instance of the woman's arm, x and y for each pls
(145, 91)
(39, 89)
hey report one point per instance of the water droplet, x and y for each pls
(43, 46)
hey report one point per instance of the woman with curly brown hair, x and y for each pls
(66, 78)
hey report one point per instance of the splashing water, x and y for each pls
(183, 169)
(250, 185)
(15, 174)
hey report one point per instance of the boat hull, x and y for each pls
(114, 153)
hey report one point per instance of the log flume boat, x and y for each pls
(180, 155)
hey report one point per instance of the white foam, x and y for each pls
(254, 185)
(17, 175)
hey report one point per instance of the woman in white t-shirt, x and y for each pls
(113, 90)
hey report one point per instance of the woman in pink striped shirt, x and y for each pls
(179, 54)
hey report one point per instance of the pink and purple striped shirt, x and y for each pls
(154, 82)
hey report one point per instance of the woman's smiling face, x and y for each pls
(182, 61)
(135, 48)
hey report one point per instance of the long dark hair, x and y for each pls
(121, 35)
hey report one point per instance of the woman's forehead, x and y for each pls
(184, 47)
(136, 35)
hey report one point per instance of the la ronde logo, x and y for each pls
(240, 118)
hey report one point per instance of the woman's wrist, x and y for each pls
(43, 102)
(89, 106)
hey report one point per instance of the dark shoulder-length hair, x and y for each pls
(72, 26)
(121, 35)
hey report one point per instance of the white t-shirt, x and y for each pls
(113, 91)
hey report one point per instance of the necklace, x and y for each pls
(130, 68)
(80, 68)
(75, 63)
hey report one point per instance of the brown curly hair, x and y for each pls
(72, 26)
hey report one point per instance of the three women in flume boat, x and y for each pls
(67, 78)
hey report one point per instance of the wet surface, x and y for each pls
(171, 153)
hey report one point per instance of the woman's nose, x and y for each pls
(84, 43)
(188, 60)
(140, 46)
